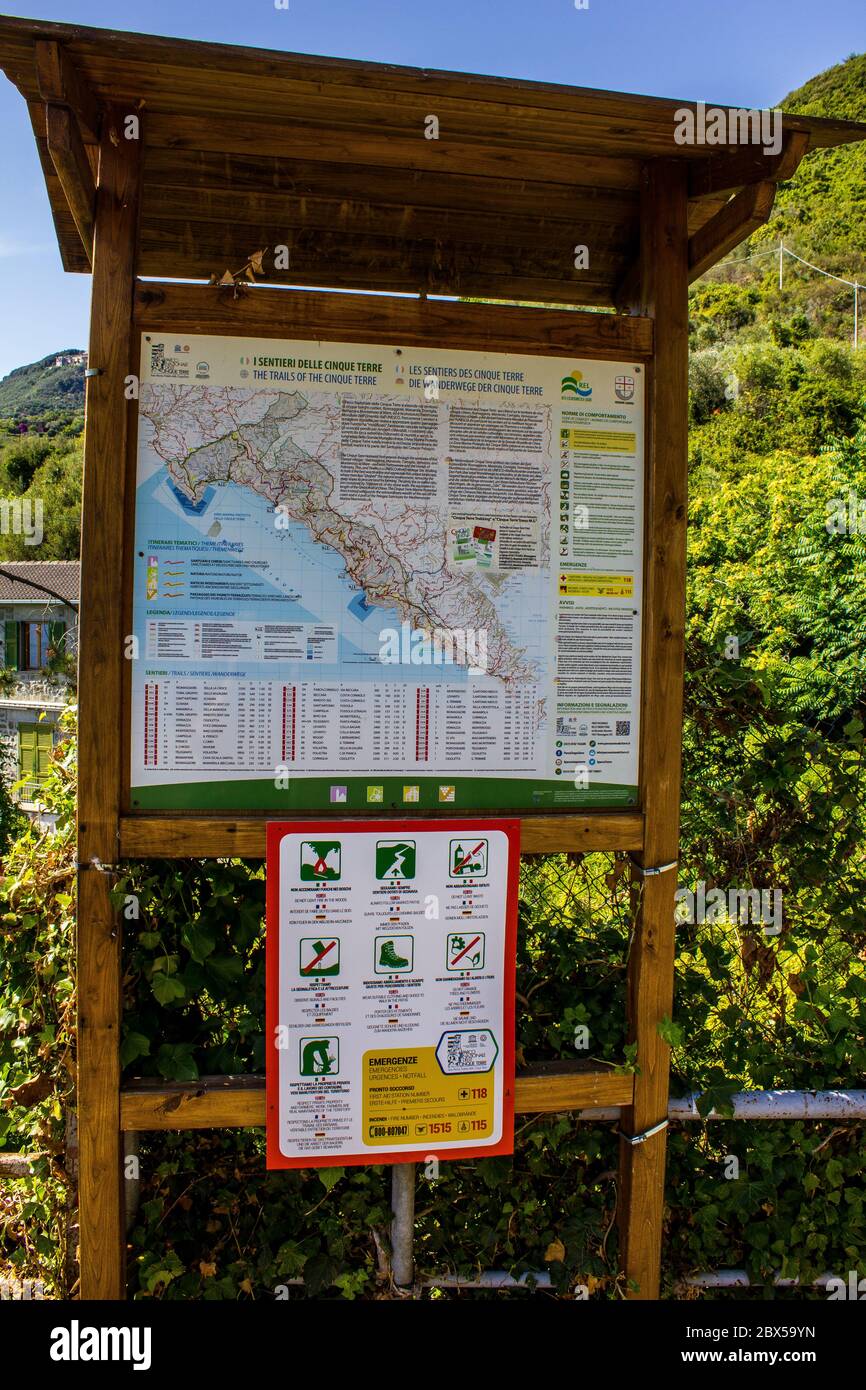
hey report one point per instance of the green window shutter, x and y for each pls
(10, 640)
(44, 745)
(28, 756)
(56, 633)
(35, 742)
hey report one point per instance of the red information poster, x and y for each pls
(390, 989)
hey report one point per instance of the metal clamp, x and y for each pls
(647, 1133)
(92, 371)
(648, 873)
(98, 865)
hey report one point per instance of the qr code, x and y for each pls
(623, 727)
(162, 365)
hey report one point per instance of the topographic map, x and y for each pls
(285, 446)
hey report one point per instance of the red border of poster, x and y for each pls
(276, 830)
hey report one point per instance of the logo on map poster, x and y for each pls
(575, 384)
(624, 388)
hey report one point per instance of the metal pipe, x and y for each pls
(131, 1177)
(16, 1165)
(403, 1224)
(709, 1279)
(488, 1279)
(739, 1279)
(779, 1105)
(759, 1105)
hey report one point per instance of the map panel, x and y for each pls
(369, 576)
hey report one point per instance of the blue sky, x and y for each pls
(735, 52)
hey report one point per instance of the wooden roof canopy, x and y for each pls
(246, 149)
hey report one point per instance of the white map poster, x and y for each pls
(375, 577)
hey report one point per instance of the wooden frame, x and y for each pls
(199, 837)
(664, 296)
(278, 313)
(100, 752)
(240, 142)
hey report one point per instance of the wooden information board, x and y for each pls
(178, 171)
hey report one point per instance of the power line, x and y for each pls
(783, 251)
(852, 284)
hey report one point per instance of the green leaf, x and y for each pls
(134, 1045)
(176, 1062)
(227, 969)
(198, 939)
(166, 963)
(329, 1177)
(166, 1270)
(670, 1032)
(166, 988)
(319, 1273)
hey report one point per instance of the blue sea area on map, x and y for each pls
(300, 581)
(194, 508)
(360, 607)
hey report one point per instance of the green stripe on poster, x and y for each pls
(372, 795)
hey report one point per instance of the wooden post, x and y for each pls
(101, 646)
(663, 296)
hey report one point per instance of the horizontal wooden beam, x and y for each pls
(740, 217)
(277, 313)
(243, 174)
(164, 261)
(169, 66)
(73, 170)
(61, 83)
(407, 150)
(532, 235)
(594, 127)
(220, 1102)
(180, 837)
(553, 1086)
(344, 255)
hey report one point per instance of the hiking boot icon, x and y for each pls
(389, 959)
